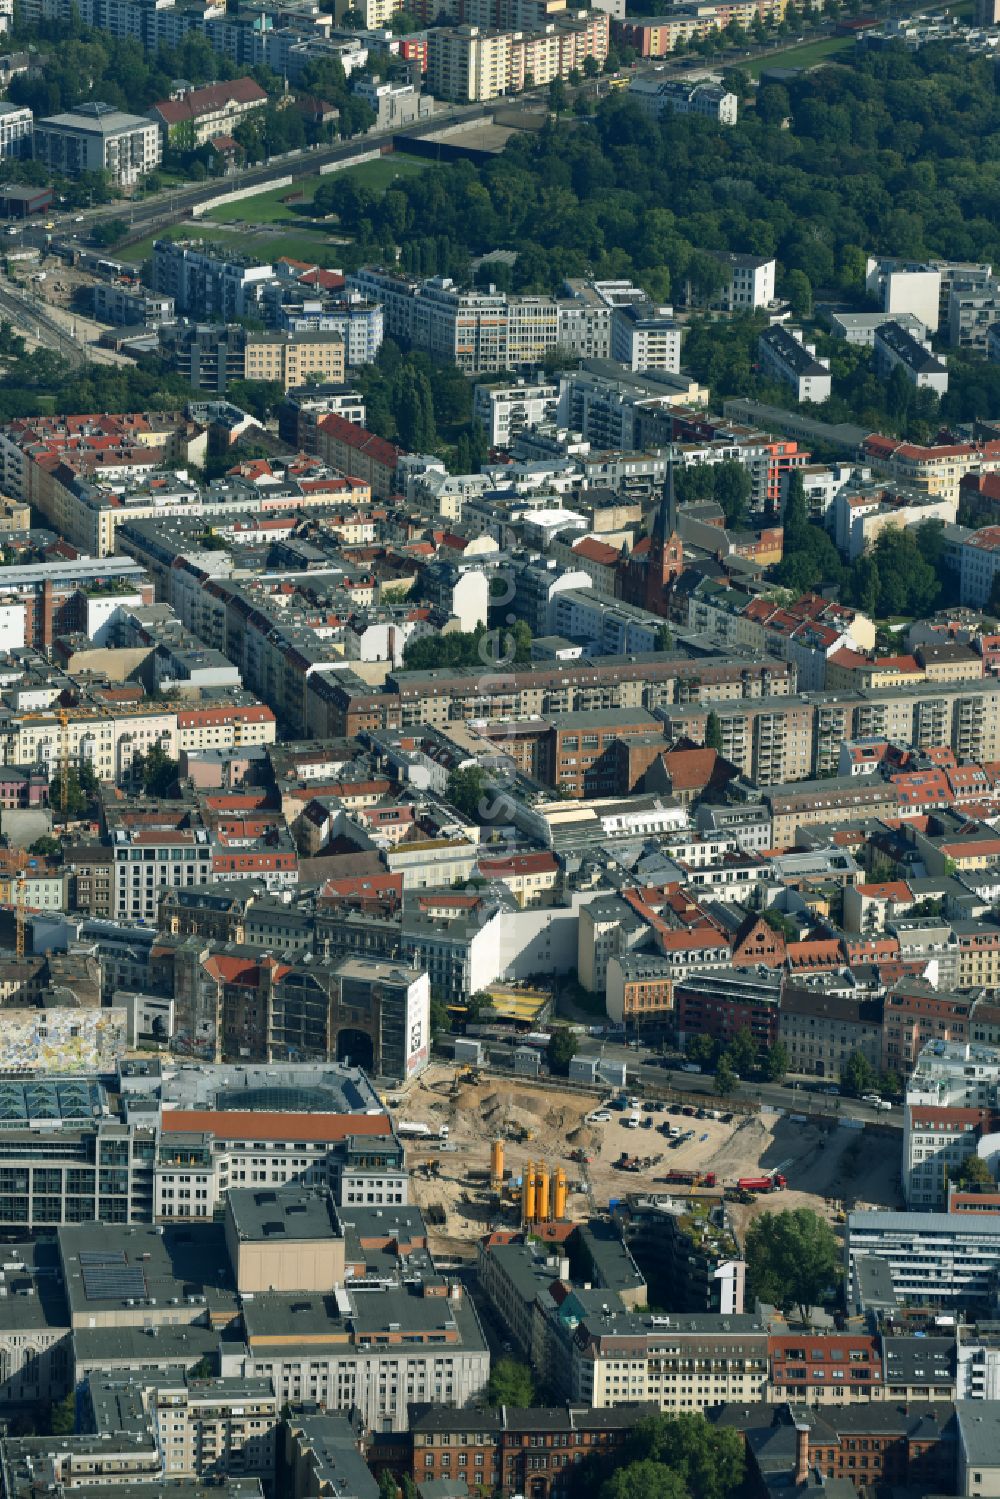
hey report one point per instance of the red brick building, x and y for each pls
(508, 1451)
(916, 1013)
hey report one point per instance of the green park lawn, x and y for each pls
(274, 207)
(283, 213)
(806, 56)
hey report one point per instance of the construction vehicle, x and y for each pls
(693, 1178)
(409, 1129)
(775, 1182)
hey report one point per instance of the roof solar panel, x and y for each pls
(113, 1282)
(102, 1257)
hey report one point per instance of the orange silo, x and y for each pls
(541, 1193)
(528, 1193)
(559, 1196)
(496, 1165)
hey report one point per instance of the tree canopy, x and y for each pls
(679, 1457)
(792, 1258)
(511, 1383)
(562, 1048)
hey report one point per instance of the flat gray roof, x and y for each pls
(268, 1213)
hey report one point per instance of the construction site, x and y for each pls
(486, 1152)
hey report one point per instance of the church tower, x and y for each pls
(665, 559)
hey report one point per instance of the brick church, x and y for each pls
(647, 574)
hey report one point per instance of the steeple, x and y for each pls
(666, 516)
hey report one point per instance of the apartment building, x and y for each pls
(210, 356)
(903, 286)
(208, 282)
(505, 410)
(784, 354)
(832, 799)
(96, 137)
(915, 1014)
(681, 1362)
(936, 469)
(897, 348)
(823, 1029)
(574, 759)
(721, 1005)
(705, 97)
(778, 740)
(936, 1143)
(114, 303)
(751, 281)
(16, 126)
(361, 454)
(645, 337)
(193, 116)
(471, 63)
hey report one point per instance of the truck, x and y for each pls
(773, 1183)
(411, 1129)
(692, 1178)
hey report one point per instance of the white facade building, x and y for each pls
(645, 337)
(897, 348)
(706, 97)
(784, 353)
(505, 410)
(16, 121)
(96, 137)
(902, 286)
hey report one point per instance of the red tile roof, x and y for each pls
(361, 440)
(245, 1124)
(214, 96)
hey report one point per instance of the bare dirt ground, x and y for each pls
(829, 1168)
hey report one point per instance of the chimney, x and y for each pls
(801, 1453)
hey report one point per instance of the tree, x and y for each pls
(109, 232)
(725, 1078)
(591, 67)
(779, 922)
(562, 1048)
(558, 98)
(76, 800)
(776, 1063)
(388, 1488)
(440, 1018)
(466, 790)
(798, 290)
(511, 1383)
(643, 1480)
(713, 732)
(700, 1049)
(732, 487)
(889, 1084)
(741, 1052)
(709, 1462)
(792, 1258)
(157, 771)
(973, 1172)
(47, 847)
(63, 1420)
(664, 638)
(858, 1076)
